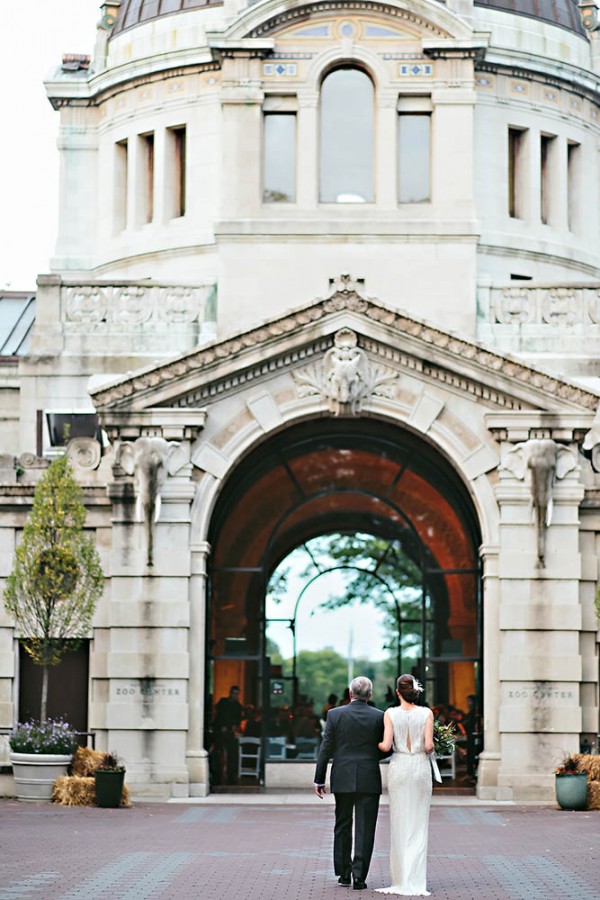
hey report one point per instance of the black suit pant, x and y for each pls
(363, 808)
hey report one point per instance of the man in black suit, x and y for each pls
(351, 736)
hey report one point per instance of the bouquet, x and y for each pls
(443, 738)
(52, 736)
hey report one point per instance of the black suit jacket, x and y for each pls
(351, 736)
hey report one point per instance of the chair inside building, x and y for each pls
(249, 757)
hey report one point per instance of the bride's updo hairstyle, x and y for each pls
(407, 688)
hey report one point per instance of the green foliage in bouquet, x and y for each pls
(444, 738)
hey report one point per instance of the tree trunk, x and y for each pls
(44, 707)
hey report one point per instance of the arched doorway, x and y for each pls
(343, 475)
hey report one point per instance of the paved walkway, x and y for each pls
(282, 851)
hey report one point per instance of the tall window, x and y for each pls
(120, 185)
(516, 153)
(414, 149)
(573, 190)
(146, 178)
(547, 151)
(347, 113)
(177, 171)
(279, 150)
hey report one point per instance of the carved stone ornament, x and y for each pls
(591, 442)
(84, 452)
(546, 461)
(346, 377)
(150, 460)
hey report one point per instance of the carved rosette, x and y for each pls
(593, 306)
(86, 304)
(179, 305)
(346, 377)
(132, 306)
(513, 306)
(560, 306)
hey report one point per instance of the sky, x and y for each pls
(33, 37)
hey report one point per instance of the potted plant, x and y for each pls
(110, 777)
(571, 785)
(40, 753)
(52, 591)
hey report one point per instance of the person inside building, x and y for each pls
(227, 726)
(331, 702)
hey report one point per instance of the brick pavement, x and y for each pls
(254, 851)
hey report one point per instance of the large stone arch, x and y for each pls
(472, 406)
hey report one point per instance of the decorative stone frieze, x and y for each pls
(115, 308)
(553, 305)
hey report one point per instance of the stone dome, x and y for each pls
(563, 13)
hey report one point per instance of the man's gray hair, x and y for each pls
(361, 687)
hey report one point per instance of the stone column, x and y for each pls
(140, 665)
(196, 755)
(308, 150)
(489, 759)
(540, 663)
(386, 166)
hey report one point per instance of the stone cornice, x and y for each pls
(524, 425)
(450, 359)
(541, 70)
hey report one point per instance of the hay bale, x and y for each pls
(593, 794)
(126, 797)
(73, 790)
(589, 764)
(86, 761)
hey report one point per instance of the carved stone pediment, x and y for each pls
(303, 340)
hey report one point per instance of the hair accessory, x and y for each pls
(417, 685)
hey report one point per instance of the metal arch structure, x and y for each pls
(311, 581)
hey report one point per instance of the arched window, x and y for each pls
(347, 104)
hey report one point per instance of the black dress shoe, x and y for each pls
(345, 880)
(359, 885)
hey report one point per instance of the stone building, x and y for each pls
(324, 266)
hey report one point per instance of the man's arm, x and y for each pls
(325, 753)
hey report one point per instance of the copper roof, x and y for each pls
(134, 12)
(563, 13)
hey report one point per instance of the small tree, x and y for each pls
(57, 579)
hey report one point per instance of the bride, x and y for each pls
(409, 730)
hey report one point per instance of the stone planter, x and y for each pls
(35, 773)
(109, 787)
(571, 791)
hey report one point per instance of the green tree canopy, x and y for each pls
(57, 578)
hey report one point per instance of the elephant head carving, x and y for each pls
(546, 461)
(150, 460)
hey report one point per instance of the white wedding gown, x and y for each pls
(409, 789)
